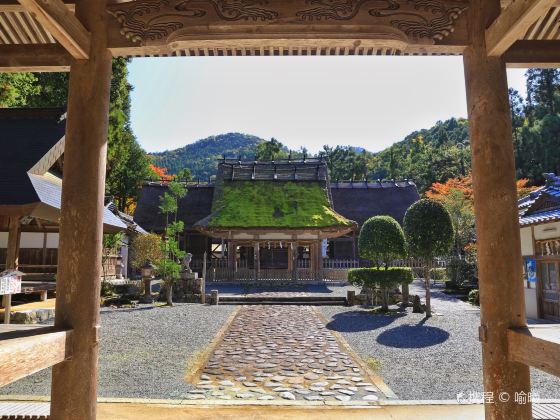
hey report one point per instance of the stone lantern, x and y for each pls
(146, 272)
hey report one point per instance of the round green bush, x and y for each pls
(381, 240)
(428, 229)
(474, 297)
(380, 277)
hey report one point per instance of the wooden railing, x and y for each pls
(25, 350)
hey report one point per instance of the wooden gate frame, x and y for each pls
(83, 37)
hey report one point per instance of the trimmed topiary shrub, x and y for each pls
(383, 278)
(381, 240)
(438, 274)
(429, 232)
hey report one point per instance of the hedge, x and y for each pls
(383, 278)
(438, 274)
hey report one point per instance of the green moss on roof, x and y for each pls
(266, 204)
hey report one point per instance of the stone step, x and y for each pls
(282, 300)
(281, 297)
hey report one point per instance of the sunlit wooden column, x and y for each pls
(74, 382)
(499, 249)
(12, 254)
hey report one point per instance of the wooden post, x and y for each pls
(203, 281)
(232, 259)
(74, 382)
(12, 255)
(290, 259)
(498, 239)
(44, 253)
(257, 260)
(294, 246)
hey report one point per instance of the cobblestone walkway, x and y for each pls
(282, 353)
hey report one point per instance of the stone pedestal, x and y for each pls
(189, 288)
(147, 298)
(214, 297)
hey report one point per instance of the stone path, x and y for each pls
(282, 353)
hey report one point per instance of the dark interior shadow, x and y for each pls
(356, 321)
(413, 336)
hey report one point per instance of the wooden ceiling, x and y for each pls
(143, 28)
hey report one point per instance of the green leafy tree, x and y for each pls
(382, 240)
(270, 150)
(170, 266)
(429, 233)
(16, 88)
(146, 248)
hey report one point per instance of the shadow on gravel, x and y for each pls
(356, 321)
(139, 308)
(412, 336)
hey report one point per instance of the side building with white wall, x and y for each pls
(540, 246)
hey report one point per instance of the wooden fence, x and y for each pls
(333, 271)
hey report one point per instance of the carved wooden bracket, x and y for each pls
(157, 22)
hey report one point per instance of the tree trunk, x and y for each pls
(169, 294)
(384, 299)
(405, 294)
(428, 292)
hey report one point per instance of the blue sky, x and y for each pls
(369, 102)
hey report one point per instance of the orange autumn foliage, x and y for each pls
(160, 173)
(440, 191)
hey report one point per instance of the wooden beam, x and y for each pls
(15, 6)
(537, 346)
(513, 23)
(536, 54)
(502, 301)
(34, 58)
(62, 24)
(24, 352)
(506, 3)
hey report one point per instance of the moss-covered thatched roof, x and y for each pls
(273, 204)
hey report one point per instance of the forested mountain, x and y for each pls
(442, 152)
(201, 157)
(426, 156)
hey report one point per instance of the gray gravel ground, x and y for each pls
(424, 359)
(145, 351)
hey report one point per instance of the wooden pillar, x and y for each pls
(12, 255)
(290, 259)
(318, 260)
(257, 260)
(294, 247)
(498, 240)
(232, 259)
(44, 252)
(74, 382)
